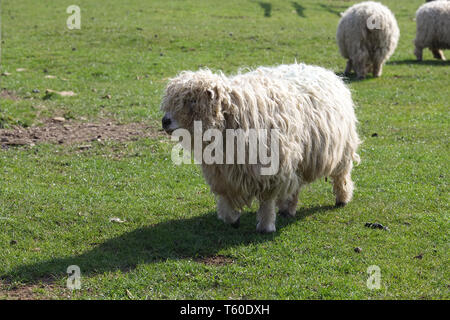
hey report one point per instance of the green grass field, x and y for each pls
(56, 201)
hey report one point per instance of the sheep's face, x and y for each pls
(192, 96)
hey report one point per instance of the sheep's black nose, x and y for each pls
(166, 122)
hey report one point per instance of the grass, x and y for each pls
(56, 201)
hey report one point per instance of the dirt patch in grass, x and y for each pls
(215, 260)
(39, 291)
(61, 131)
(7, 94)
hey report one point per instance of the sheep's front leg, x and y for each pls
(360, 63)
(418, 53)
(288, 207)
(348, 68)
(266, 216)
(360, 69)
(226, 213)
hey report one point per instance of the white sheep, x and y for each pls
(433, 28)
(311, 108)
(367, 36)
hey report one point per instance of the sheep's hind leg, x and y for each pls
(266, 216)
(438, 54)
(226, 213)
(343, 185)
(288, 207)
(343, 189)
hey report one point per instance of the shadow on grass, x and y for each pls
(333, 9)
(299, 9)
(267, 7)
(353, 78)
(189, 238)
(423, 62)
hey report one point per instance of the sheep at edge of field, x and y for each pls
(433, 28)
(310, 107)
(367, 36)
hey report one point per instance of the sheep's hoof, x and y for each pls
(265, 229)
(340, 204)
(236, 224)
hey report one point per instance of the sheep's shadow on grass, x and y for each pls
(189, 238)
(267, 7)
(353, 78)
(333, 9)
(299, 9)
(423, 62)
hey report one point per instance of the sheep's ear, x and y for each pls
(202, 101)
(211, 93)
(214, 100)
(210, 97)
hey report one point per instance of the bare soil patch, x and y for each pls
(218, 260)
(7, 94)
(61, 131)
(26, 292)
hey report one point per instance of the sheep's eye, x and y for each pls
(190, 102)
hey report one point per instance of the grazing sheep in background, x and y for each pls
(367, 36)
(433, 28)
(312, 110)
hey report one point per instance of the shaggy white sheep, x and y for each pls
(367, 36)
(433, 28)
(312, 110)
